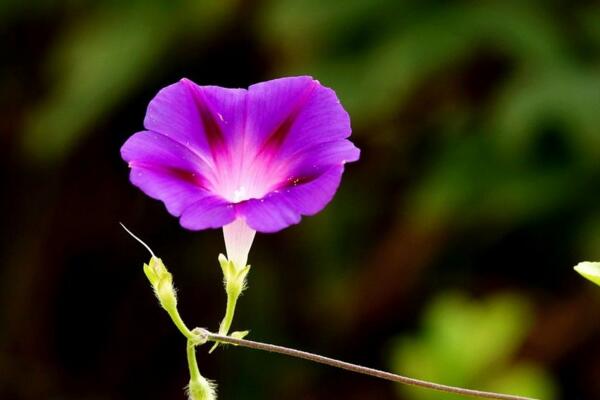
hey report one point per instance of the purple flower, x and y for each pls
(254, 160)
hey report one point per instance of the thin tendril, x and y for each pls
(138, 239)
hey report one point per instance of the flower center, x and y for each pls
(253, 180)
(240, 194)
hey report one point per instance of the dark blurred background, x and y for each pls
(446, 254)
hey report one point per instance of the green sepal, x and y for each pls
(165, 291)
(236, 282)
(155, 270)
(152, 271)
(227, 266)
(234, 278)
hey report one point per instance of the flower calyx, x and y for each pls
(234, 276)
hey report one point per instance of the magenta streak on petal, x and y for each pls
(204, 166)
(301, 165)
(180, 174)
(265, 172)
(217, 142)
(212, 129)
(301, 179)
(276, 139)
(263, 164)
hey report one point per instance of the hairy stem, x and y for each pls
(174, 314)
(357, 368)
(192, 363)
(199, 387)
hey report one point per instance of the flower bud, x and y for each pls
(154, 270)
(162, 282)
(201, 389)
(589, 270)
(165, 292)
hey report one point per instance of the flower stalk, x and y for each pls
(234, 279)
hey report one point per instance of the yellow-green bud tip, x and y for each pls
(155, 270)
(589, 270)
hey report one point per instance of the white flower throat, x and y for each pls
(240, 194)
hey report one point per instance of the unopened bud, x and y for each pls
(589, 270)
(155, 270)
(165, 291)
(201, 389)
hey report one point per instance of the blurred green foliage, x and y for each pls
(99, 60)
(380, 55)
(471, 343)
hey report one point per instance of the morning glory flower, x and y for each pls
(247, 160)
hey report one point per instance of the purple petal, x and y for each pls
(207, 119)
(209, 212)
(268, 155)
(320, 157)
(285, 207)
(290, 114)
(166, 170)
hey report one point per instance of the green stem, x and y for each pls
(229, 313)
(199, 388)
(232, 297)
(192, 362)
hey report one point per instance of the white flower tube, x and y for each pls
(238, 240)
